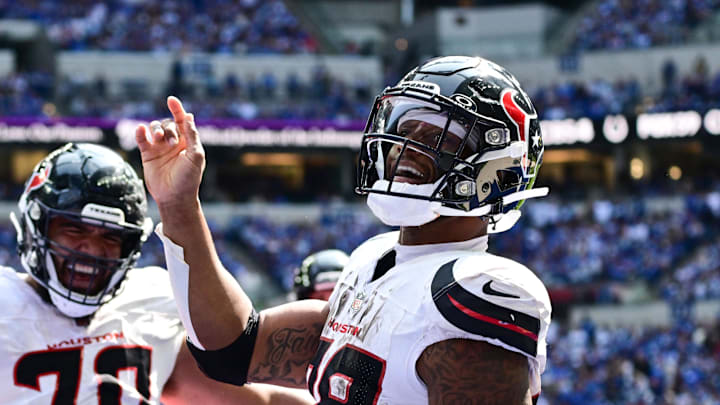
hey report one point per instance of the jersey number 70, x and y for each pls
(66, 364)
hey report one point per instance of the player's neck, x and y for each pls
(444, 230)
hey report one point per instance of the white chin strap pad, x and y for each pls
(64, 305)
(179, 280)
(69, 308)
(402, 211)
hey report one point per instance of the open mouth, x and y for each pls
(84, 269)
(84, 278)
(411, 165)
(409, 174)
(412, 172)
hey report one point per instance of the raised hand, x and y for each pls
(172, 156)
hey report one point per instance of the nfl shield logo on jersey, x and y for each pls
(358, 302)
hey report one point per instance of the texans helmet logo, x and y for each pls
(516, 113)
(521, 120)
(38, 179)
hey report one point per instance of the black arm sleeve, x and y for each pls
(229, 364)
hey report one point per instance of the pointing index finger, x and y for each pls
(176, 108)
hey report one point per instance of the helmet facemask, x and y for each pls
(78, 282)
(425, 155)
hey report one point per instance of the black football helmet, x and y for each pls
(457, 132)
(319, 272)
(90, 184)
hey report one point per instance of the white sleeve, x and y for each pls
(179, 280)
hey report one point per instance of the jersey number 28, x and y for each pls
(66, 364)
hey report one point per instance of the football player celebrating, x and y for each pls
(317, 275)
(423, 315)
(84, 326)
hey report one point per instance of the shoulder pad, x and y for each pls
(373, 248)
(151, 276)
(383, 241)
(146, 286)
(493, 297)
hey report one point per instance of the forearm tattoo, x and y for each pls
(465, 372)
(289, 352)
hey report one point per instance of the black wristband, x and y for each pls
(231, 363)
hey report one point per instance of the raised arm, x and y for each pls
(470, 372)
(214, 308)
(173, 163)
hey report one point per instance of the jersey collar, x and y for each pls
(406, 253)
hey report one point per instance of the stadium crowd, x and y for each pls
(699, 90)
(592, 364)
(640, 24)
(238, 27)
(604, 244)
(321, 97)
(253, 26)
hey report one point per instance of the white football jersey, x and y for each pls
(125, 354)
(377, 330)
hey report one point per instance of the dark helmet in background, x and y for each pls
(319, 273)
(90, 184)
(457, 136)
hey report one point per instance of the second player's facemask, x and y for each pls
(78, 282)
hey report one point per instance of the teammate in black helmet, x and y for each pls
(317, 275)
(75, 190)
(84, 326)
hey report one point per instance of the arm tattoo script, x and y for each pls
(289, 352)
(468, 372)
